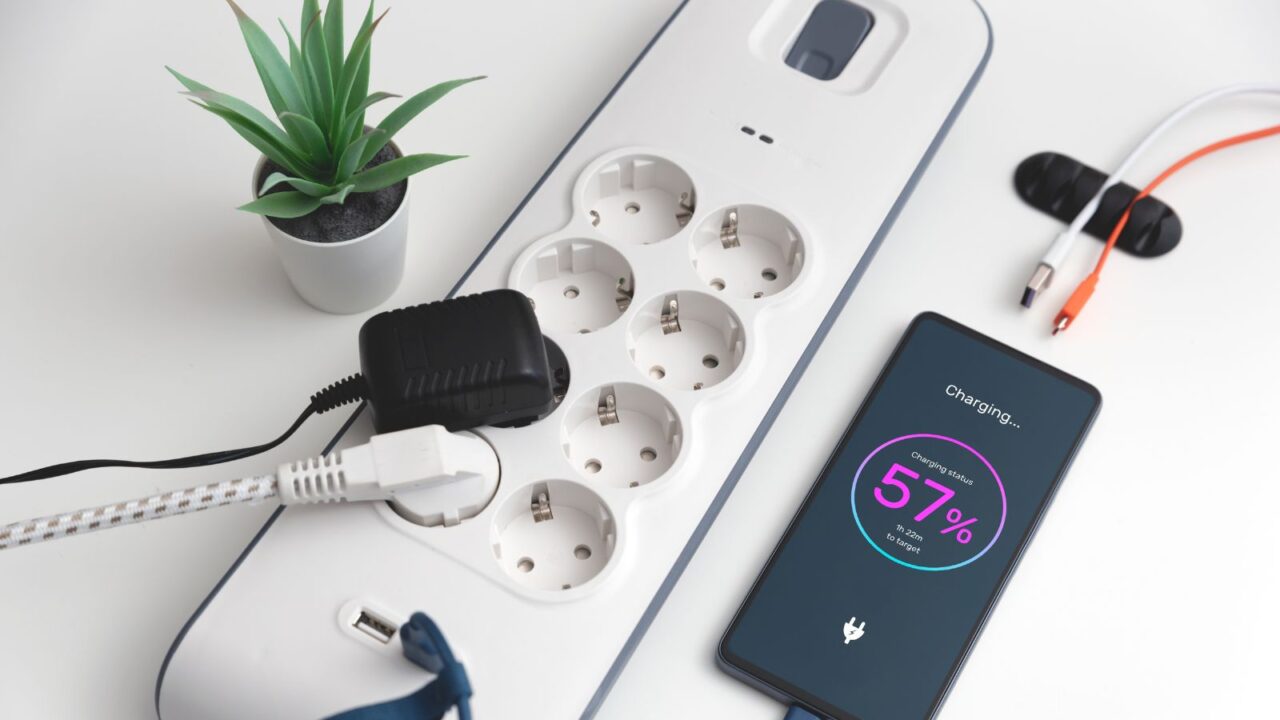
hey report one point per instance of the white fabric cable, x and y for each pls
(445, 477)
(178, 502)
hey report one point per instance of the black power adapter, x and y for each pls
(461, 363)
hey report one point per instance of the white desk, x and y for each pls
(140, 315)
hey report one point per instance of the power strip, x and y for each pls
(687, 251)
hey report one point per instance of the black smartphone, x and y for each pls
(876, 593)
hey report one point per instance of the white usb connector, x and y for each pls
(432, 476)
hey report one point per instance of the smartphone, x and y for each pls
(878, 589)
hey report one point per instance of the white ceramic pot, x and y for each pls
(349, 276)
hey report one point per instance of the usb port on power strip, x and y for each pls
(376, 627)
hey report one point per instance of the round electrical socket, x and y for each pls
(576, 285)
(621, 435)
(639, 199)
(747, 251)
(553, 535)
(686, 340)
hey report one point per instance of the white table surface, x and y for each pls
(140, 315)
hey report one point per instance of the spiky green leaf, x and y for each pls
(208, 95)
(351, 68)
(265, 144)
(295, 65)
(333, 36)
(277, 79)
(360, 88)
(353, 126)
(372, 98)
(338, 197)
(315, 56)
(307, 187)
(350, 160)
(309, 137)
(310, 12)
(409, 109)
(283, 205)
(392, 172)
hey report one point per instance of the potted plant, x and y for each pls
(332, 191)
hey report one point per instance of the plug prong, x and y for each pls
(541, 506)
(607, 407)
(670, 318)
(729, 230)
(687, 203)
(623, 294)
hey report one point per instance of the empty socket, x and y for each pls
(576, 285)
(553, 535)
(686, 341)
(747, 251)
(640, 199)
(621, 435)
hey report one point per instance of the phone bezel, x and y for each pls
(773, 685)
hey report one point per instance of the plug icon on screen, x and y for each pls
(854, 630)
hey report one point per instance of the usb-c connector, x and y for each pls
(795, 712)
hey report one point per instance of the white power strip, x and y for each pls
(687, 251)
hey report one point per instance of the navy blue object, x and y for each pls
(425, 645)
(795, 712)
(834, 32)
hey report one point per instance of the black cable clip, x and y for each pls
(1061, 186)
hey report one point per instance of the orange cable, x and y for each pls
(1075, 304)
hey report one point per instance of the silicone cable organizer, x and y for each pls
(688, 271)
(1060, 186)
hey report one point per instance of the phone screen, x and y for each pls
(881, 584)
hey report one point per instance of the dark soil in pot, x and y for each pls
(362, 213)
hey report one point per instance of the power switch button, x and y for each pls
(830, 37)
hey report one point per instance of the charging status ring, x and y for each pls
(930, 503)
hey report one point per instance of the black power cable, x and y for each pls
(343, 392)
(458, 363)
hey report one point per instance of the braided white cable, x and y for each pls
(446, 477)
(178, 502)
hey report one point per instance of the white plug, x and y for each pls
(431, 476)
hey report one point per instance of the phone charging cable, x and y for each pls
(1060, 248)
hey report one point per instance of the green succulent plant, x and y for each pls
(320, 97)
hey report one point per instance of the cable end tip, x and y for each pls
(1028, 297)
(1040, 280)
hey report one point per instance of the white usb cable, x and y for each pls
(1062, 244)
(443, 477)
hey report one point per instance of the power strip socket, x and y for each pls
(687, 252)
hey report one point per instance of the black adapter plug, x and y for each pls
(461, 363)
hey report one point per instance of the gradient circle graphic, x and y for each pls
(928, 502)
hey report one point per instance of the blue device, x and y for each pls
(881, 584)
